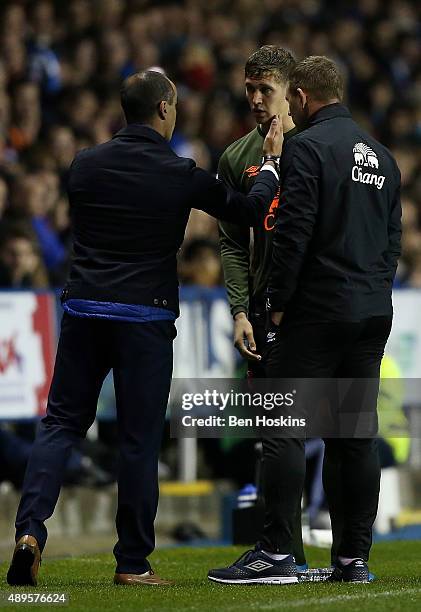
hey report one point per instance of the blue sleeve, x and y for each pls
(52, 250)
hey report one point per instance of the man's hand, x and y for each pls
(244, 330)
(276, 317)
(274, 138)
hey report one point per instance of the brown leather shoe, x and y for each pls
(23, 570)
(148, 578)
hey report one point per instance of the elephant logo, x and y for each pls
(364, 156)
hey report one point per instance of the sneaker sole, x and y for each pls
(274, 580)
(19, 573)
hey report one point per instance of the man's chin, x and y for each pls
(263, 121)
(260, 118)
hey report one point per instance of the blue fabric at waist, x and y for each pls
(133, 313)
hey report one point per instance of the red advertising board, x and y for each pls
(27, 350)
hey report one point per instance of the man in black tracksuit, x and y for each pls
(335, 250)
(336, 246)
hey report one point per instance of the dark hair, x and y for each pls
(141, 94)
(270, 59)
(318, 76)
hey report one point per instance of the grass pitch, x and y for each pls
(88, 582)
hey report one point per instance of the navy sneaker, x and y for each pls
(255, 567)
(357, 572)
(371, 577)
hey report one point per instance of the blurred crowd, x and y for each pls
(61, 64)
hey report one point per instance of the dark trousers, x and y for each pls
(351, 474)
(257, 369)
(140, 355)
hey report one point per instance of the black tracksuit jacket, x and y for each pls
(337, 234)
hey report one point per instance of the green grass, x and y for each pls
(88, 581)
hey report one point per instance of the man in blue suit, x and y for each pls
(130, 200)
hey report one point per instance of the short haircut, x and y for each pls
(270, 60)
(318, 76)
(141, 94)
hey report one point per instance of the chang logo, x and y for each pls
(364, 156)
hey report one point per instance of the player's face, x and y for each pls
(266, 97)
(298, 108)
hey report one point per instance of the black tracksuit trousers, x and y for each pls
(256, 369)
(325, 349)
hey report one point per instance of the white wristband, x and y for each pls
(271, 168)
